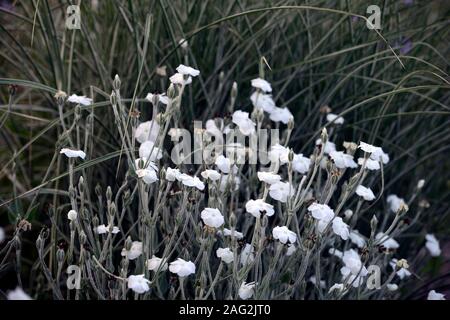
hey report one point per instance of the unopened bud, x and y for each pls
(116, 82)
(60, 255)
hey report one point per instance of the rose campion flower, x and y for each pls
(261, 84)
(134, 252)
(70, 153)
(224, 164)
(283, 234)
(189, 181)
(268, 177)
(186, 70)
(357, 239)
(395, 203)
(280, 191)
(148, 150)
(337, 287)
(83, 100)
(138, 283)
(72, 215)
(225, 254)
(161, 97)
(334, 117)
(256, 207)
(370, 164)
(353, 270)
(245, 124)
(281, 115)
(378, 155)
(263, 101)
(102, 229)
(247, 254)
(279, 153)
(291, 249)
(342, 160)
(178, 78)
(301, 164)
(182, 267)
(246, 290)
(212, 217)
(387, 242)
(172, 174)
(321, 211)
(433, 295)
(432, 245)
(392, 287)
(147, 175)
(147, 131)
(365, 193)
(368, 147)
(212, 175)
(340, 228)
(18, 294)
(228, 233)
(156, 263)
(329, 146)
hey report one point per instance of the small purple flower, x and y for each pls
(406, 47)
(408, 2)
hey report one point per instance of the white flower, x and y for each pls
(280, 191)
(365, 193)
(101, 229)
(368, 147)
(18, 294)
(301, 164)
(224, 164)
(279, 153)
(245, 124)
(246, 290)
(182, 267)
(212, 217)
(263, 101)
(149, 151)
(334, 117)
(138, 283)
(401, 272)
(290, 250)
(342, 160)
(256, 207)
(189, 71)
(321, 211)
(380, 154)
(247, 255)
(281, 115)
(172, 174)
(212, 175)
(357, 239)
(387, 242)
(178, 78)
(147, 131)
(336, 252)
(147, 175)
(283, 234)
(189, 181)
(337, 286)
(420, 183)
(156, 263)
(353, 270)
(392, 287)
(2, 235)
(261, 84)
(370, 164)
(162, 98)
(340, 228)
(183, 43)
(83, 100)
(433, 295)
(73, 153)
(228, 179)
(268, 177)
(329, 146)
(72, 215)
(134, 252)
(395, 203)
(432, 245)
(225, 254)
(228, 233)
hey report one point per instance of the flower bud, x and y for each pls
(373, 223)
(232, 219)
(60, 255)
(83, 237)
(116, 82)
(128, 243)
(98, 190)
(291, 155)
(95, 222)
(171, 92)
(420, 184)
(60, 97)
(324, 136)
(81, 184)
(113, 98)
(290, 124)
(108, 193)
